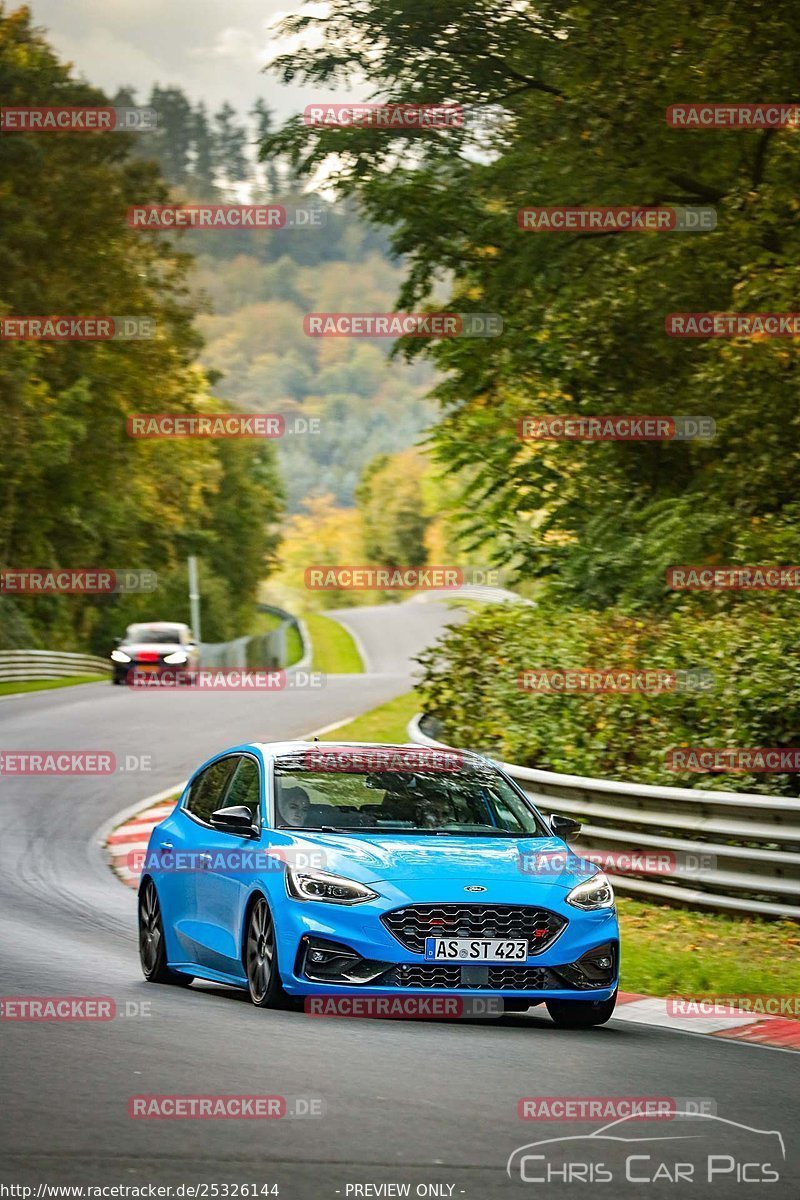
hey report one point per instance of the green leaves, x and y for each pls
(584, 89)
(75, 489)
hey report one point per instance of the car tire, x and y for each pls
(152, 944)
(581, 1014)
(260, 956)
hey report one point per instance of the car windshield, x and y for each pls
(471, 801)
(153, 633)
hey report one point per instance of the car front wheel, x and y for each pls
(261, 959)
(581, 1014)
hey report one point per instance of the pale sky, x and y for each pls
(213, 49)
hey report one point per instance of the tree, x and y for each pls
(203, 153)
(75, 489)
(231, 142)
(173, 138)
(390, 501)
(582, 92)
(264, 124)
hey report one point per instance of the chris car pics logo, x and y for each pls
(697, 1148)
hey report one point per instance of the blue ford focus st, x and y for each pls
(298, 870)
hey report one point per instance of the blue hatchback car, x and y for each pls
(300, 869)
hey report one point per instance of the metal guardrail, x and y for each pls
(736, 852)
(48, 664)
(261, 651)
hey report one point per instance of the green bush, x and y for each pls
(471, 683)
(16, 633)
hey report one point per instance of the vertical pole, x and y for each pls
(194, 599)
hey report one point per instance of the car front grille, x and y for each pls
(412, 925)
(496, 979)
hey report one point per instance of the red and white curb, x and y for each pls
(743, 1027)
(127, 844)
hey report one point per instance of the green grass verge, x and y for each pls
(689, 952)
(266, 622)
(335, 652)
(294, 645)
(42, 685)
(263, 622)
(387, 723)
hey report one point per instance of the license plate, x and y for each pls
(498, 950)
(143, 667)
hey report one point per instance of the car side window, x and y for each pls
(205, 794)
(245, 787)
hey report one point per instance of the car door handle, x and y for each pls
(205, 859)
(165, 846)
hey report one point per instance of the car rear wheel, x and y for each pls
(152, 946)
(581, 1014)
(261, 959)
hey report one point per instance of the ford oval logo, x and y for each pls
(474, 887)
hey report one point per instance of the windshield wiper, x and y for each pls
(311, 829)
(489, 831)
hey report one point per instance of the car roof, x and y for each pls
(275, 750)
(159, 624)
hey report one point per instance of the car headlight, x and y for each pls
(179, 656)
(596, 892)
(319, 885)
(120, 656)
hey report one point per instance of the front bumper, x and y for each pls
(360, 954)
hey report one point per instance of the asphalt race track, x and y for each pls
(405, 1102)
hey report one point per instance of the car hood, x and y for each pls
(386, 857)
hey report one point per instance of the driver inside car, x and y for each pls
(293, 804)
(434, 811)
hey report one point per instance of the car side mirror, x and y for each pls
(564, 827)
(236, 819)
